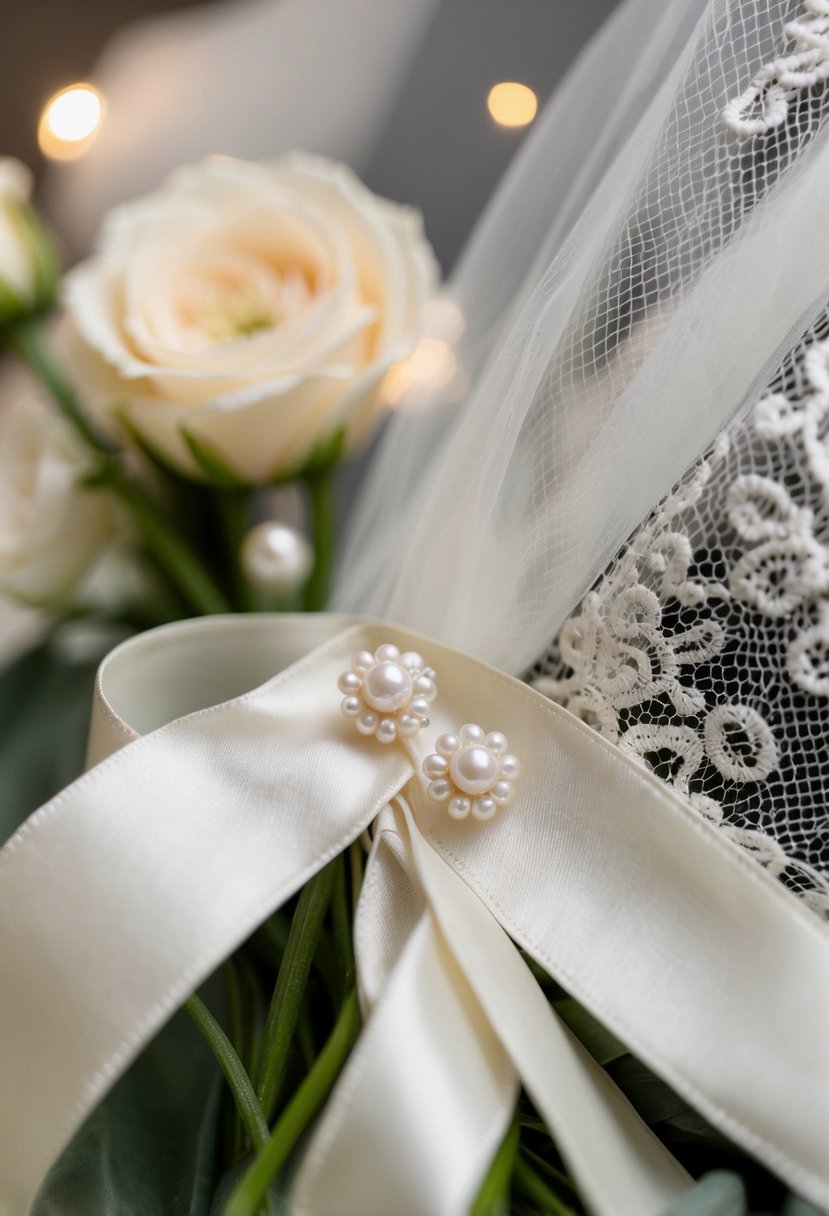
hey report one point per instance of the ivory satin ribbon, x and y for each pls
(120, 895)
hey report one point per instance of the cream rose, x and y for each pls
(53, 531)
(247, 313)
(28, 267)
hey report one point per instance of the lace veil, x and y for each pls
(613, 473)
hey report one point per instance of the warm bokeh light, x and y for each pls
(70, 121)
(512, 104)
(430, 367)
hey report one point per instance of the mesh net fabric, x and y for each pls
(704, 649)
(655, 264)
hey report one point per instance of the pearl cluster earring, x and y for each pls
(388, 694)
(471, 772)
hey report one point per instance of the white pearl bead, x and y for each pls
(484, 808)
(496, 742)
(387, 654)
(510, 767)
(412, 660)
(408, 726)
(275, 557)
(387, 731)
(362, 660)
(502, 792)
(435, 766)
(471, 733)
(349, 682)
(419, 707)
(367, 723)
(387, 686)
(459, 807)
(351, 706)
(473, 769)
(425, 688)
(439, 790)
(447, 745)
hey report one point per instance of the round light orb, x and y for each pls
(387, 687)
(69, 122)
(474, 770)
(512, 104)
(276, 557)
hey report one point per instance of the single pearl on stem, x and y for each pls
(276, 557)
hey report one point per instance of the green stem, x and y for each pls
(247, 1105)
(341, 922)
(161, 538)
(305, 1104)
(355, 854)
(234, 508)
(26, 340)
(321, 504)
(528, 1184)
(168, 548)
(493, 1197)
(290, 985)
(237, 1039)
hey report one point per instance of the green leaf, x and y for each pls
(150, 1147)
(45, 702)
(323, 458)
(690, 1128)
(717, 1194)
(215, 468)
(603, 1046)
(795, 1205)
(653, 1099)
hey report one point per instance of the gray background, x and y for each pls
(441, 151)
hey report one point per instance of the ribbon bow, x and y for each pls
(213, 804)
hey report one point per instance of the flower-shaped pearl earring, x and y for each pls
(471, 771)
(388, 693)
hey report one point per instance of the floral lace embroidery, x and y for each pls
(764, 105)
(629, 661)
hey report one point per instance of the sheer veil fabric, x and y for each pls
(651, 275)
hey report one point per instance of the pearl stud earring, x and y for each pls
(388, 693)
(471, 772)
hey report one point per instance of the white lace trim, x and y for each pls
(632, 677)
(764, 105)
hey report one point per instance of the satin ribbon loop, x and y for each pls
(217, 803)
